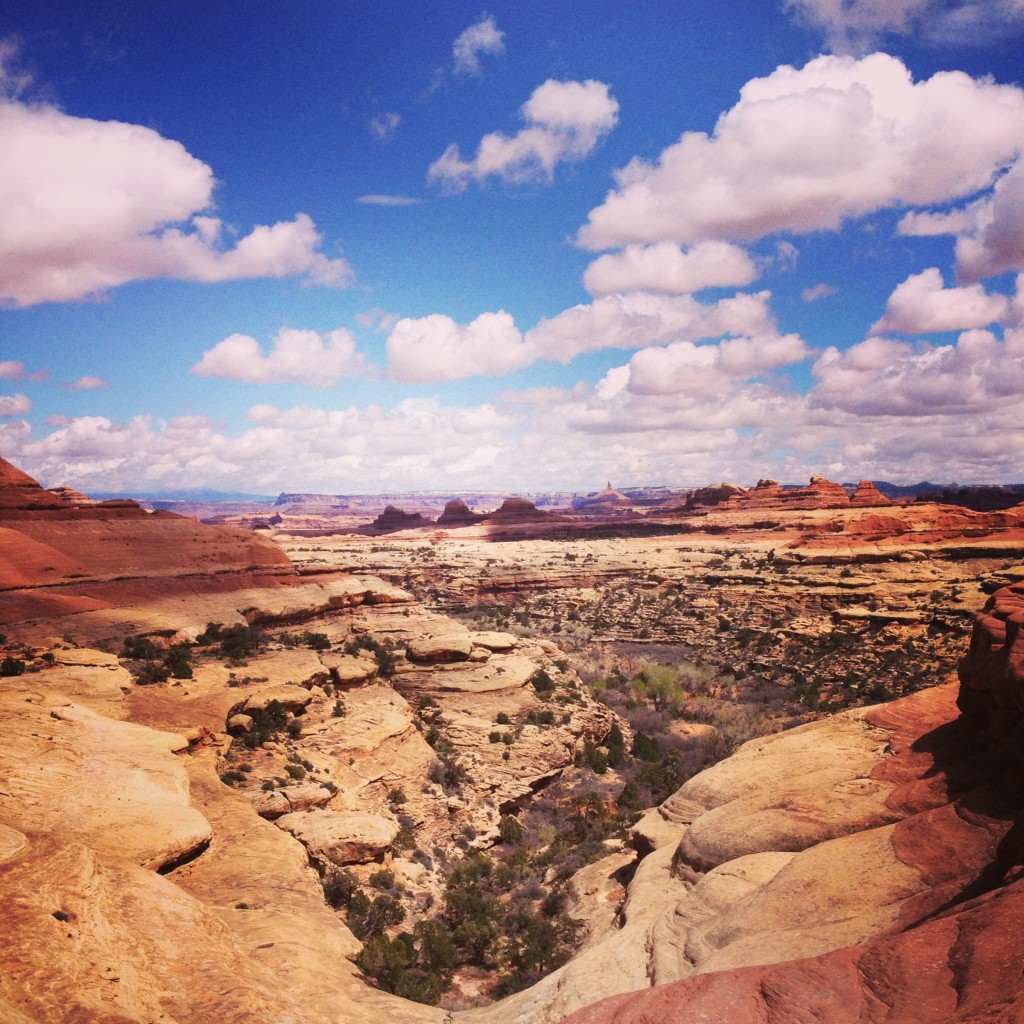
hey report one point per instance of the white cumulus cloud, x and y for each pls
(90, 205)
(297, 356)
(436, 348)
(564, 122)
(665, 267)
(921, 304)
(807, 148)
(641, 319)
(973, 379)
(15, 405)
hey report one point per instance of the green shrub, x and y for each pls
(179, 661)
(368, 917)
(509, 829)
(383, 879)
(385, 657)
(149, 673)
(542, 682)
(339, 886)
(11, 666)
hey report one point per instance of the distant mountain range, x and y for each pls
(203, 494)
(641, 495)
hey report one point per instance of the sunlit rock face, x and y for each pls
(919, 868)
(93, 556)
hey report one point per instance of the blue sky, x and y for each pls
(394, 246)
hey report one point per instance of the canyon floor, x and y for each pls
(259, 775)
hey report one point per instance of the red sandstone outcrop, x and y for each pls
(769, 495)
(868, 495)
(515, 512)
(58, 555)
(713, 494)
(607, 501)
(992, 672)
(393, 519)
(456, 514)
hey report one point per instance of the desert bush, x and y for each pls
(267, 723)
(384, 656)
(447, 771)
(384, 880)
(509, 829)
(542, 682)
(339, 886)
(179, 661)
(368, 917)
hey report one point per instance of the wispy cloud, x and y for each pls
(857, 26)
(386, 200)
(482, 38)
(384, 126)
(817, 292)
(13, 369)
(87, 383)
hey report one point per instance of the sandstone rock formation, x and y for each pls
(58, 555)
(457, 513)
(868, 495)
(393, 519)
(156, 866)
(914, 894)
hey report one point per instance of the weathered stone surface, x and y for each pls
(495, 641)
(440, 649)
(820, 789)
(349, 670)
(297, 797)
(294, 698)
(85, 657)
(346, 837)
(113, 786)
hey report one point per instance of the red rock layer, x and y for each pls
(867, 494)
(769, 495)
(957, 968)
(58, 557)
(457, 513)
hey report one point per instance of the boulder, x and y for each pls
(350, 670)
(447, 647)
(293, 698)
(344, 837)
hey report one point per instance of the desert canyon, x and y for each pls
(274, 767)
